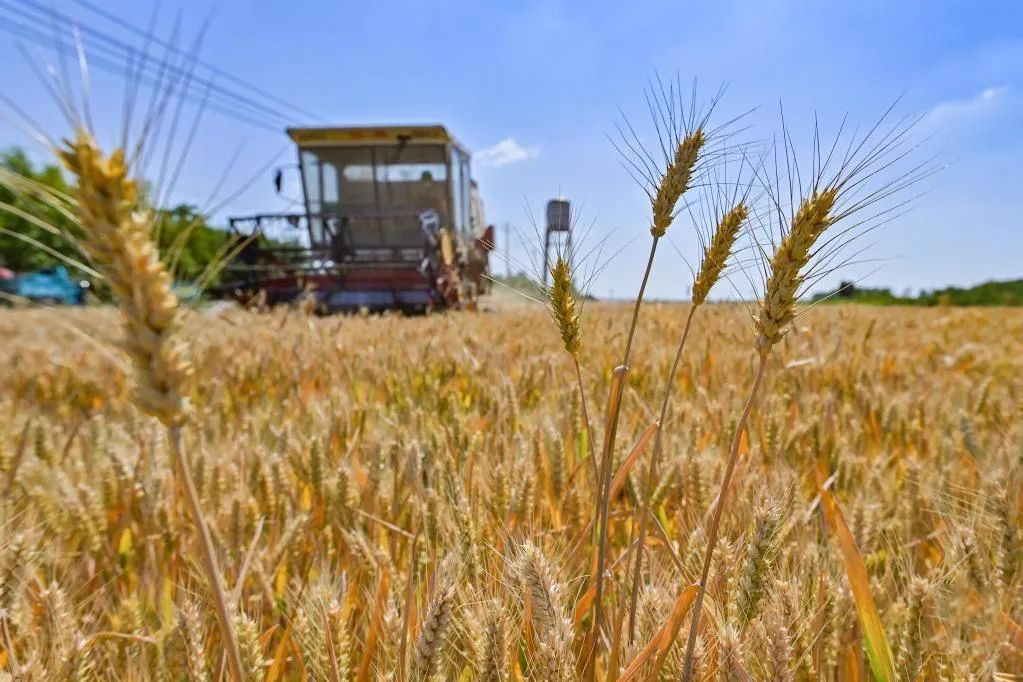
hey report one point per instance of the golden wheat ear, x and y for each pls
(717, 254)
(426, 655)
(850, 194)
(777, 307)
(686, 151)
(723, 217)
(563, 307)
(543, 591)
(677, 179)
(117, 239)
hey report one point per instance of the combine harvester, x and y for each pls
(392, 220)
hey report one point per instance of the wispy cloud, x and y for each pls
(505, 152)
(954, 112)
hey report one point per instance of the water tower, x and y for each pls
(559, 232)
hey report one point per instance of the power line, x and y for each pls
(117, 67)
(214, 69)
(43, 13)
(111, 51)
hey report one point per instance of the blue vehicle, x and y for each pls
(51, 286)
(187, 292)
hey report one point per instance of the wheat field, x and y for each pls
(413, 498)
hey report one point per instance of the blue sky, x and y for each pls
(535, 88)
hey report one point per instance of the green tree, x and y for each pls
(20, 237)
(185, 238)
(188, 242)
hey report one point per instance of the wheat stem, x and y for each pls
(409, 596)
(614, 411)
(586, 419)
(651, 473)
(206, 552)
(639, 301)
(719, 506)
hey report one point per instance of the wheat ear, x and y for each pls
(551, 625)
(494, 650)
(426, 656)
(730, 668)
(779, 649)
(717, 253)
(755, 569)
(675, 182)
(563, 306)
(117, 238)
(912, 653)
(777, 309)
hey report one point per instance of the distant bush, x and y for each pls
(989, 293)
(526, 284)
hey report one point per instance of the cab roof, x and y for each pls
(372, 135)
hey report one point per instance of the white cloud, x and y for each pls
(504, 152)
(956, 111)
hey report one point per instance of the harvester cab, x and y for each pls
(392, 220)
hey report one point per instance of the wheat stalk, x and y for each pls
(776, 312)
(716, 255)
(674, 183)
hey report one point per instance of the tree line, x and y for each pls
(25, 246)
